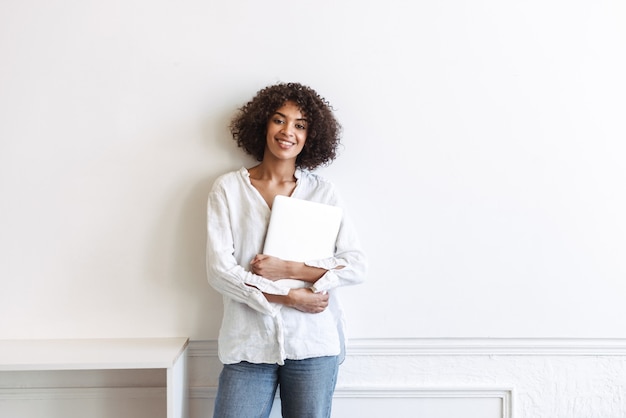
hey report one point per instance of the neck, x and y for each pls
(280, 172)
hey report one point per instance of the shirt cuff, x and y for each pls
(327, 263)
(328, 281)
(262, 305)
(267, 286)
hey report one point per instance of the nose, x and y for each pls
(287, 129)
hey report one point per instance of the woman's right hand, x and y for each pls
(302, 299)
(306, 301)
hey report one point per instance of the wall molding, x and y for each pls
(202, 350)
(504, 395)
(74, 393)
(462, 347)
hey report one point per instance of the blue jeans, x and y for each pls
(247, 390)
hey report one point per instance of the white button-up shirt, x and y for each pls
(254, 329)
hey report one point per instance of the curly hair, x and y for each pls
(249, 126)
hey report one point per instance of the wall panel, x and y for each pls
(503, 378)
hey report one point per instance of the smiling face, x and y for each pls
(286, 133)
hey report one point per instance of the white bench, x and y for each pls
(106, 354)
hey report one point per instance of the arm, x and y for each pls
(302, 299)
(273, 268)
(349, 265)
(346, 268)
(225, 274)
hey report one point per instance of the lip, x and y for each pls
(284, 143)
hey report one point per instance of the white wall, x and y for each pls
(482, 160)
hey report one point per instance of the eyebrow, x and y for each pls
(285, 116)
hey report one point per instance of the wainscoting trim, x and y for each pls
(463, 347)
(504, 394)
(25, 393)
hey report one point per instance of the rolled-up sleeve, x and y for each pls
(348, 266)
(224, 273)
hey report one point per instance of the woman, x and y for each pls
(273, 335)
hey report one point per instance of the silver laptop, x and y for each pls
(301, 230)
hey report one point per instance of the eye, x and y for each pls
(278, 121)
(300, 126)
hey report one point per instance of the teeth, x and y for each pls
(285, 142)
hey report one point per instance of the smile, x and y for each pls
(285, 143)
